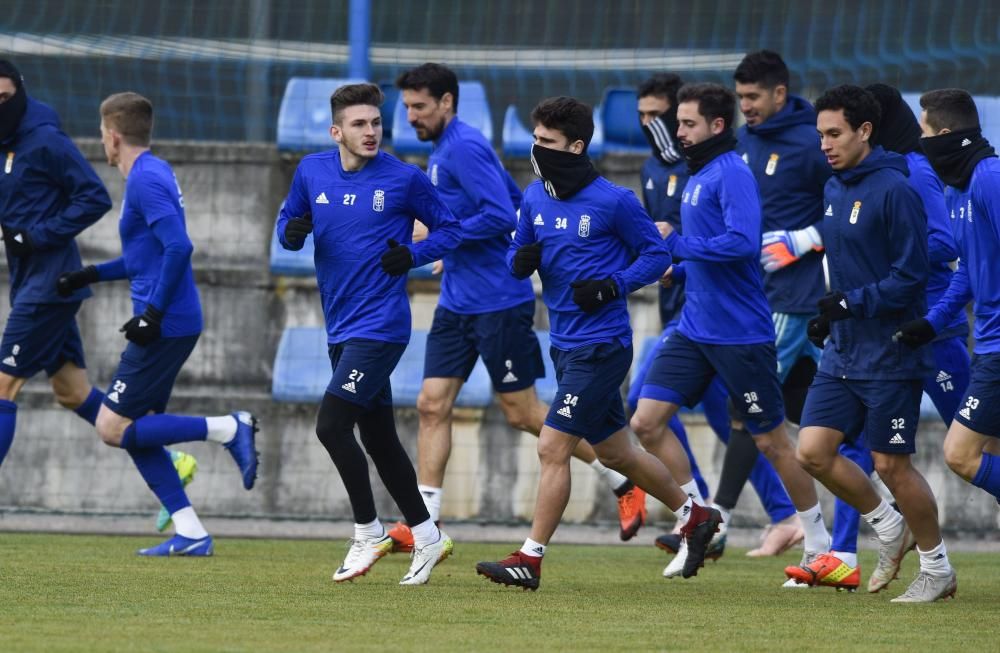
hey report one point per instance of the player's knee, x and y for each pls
(109, 428)
(815, 462)
(772, 446)
(618, 459)
(551, 452)
(890, 468)
(519, 416)
(959, 461)
(432, 409)
(71, 398)
(646, 428)
(9, 386)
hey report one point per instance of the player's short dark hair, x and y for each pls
(575, 119)
(131, 115)
(663, 85)
(950, 108)
(859, 105)
(714, 101)
(354, 94)
(436, 78)
(764, 67)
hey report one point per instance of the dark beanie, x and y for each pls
(9, 70)
(898, 131)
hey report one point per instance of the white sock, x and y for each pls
(691, 489)
(935, 562)
(221, 429)
(726, 515)
(432, 499)
(533, 548)
(187, 524)
(608, 475)
(425, 533)
(849, 559)
(886, 522)
(817, 537)
(373, 530)
(684, 511)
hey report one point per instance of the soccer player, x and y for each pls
(483, 310)
(968, 165)
(725, 326)
(48, 195)
(899, 132)
(156, 259)
(875, 232)
(592, 244)
(360, 204)
(780, 145)
(664, 176)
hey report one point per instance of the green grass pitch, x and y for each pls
(91, 593)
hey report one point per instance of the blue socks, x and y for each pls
(91, 406)
(988, 476)
(161, 430)
(157, 469)
(8, 421)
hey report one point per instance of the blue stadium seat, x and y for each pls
(304, 118)
(596, 148)
(622, 132)
(302, 371)
(292, 263)
(301, 366)
(517, 139)
(546, 388)
(473, 108)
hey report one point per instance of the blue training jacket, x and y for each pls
(156, 250)
(354, 214)
(471, 181)
(941, 247)
(875, 233)
(724, 292)
(975, 222)
(48, 189)
(599, 232)
(784, 155)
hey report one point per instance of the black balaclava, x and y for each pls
(564, 173)
(661, 133)
(13, 109)
(898, 130)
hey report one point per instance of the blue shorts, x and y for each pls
(40, 337)
(505, 339)
(361, 370)
(588, 402)
(682, 370)
(145, 376)
(981, 409)
(886, 411)
(947, 384)
(792, 342)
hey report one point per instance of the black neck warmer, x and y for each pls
(13, 109)
(954, 155)
(564, 173)
(661, 133)
(700, 155)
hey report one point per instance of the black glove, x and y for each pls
(527, 259)
(591, 294)
(18, 242)
(915, 333)
(297, 229)
(817, 330)
(833, 306)
(69, 282)
(144, 329)
(398, 260)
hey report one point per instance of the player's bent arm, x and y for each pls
(909, 269)
(88, 199)
(445, 229)
(954, 299)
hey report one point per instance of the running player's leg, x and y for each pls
(976, 428)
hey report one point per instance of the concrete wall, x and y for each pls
(232, 192)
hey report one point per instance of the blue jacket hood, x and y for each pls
(877, 160)
(797, 111)
(37, 115)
